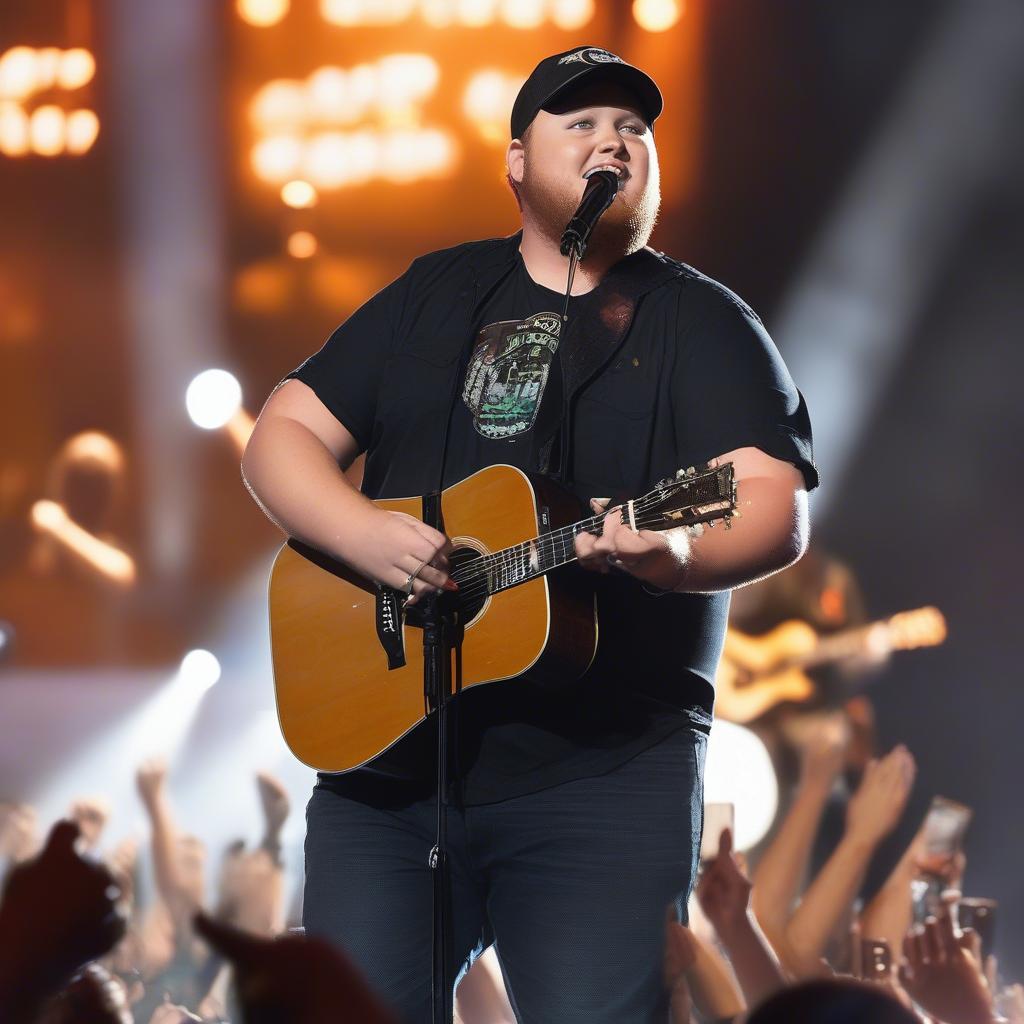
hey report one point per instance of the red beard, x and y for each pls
(623, 228)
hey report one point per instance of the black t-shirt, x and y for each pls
(510, 391)
(694, 376)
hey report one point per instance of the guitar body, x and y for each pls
(753, 676)
(758, 672)
(339, 705)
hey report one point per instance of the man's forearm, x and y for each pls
(297, 482)
(769, 534)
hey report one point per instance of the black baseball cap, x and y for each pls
(556, 76)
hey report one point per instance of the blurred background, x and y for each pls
(195, 193)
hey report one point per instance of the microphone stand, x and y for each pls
(442, 635)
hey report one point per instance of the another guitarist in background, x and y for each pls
(578, 809)
(823, 593)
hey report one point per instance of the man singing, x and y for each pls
(577, 812)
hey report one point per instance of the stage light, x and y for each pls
(349, 13)
(6, 640)
(299, 195)
(13, 129)
(277, 158)
(18, 72)
(406, 79)
(571, 14)
(281, 103)
(262, 13)
(82, 128)
(523, 13)
(302, 244)
(739, 771)
(476, 13)
(199, 670)
(46, 130)
(657, 15)
(77, 66)
(408, 155)
(487, 102)
(329, 98)
(213, 398)
(48, 65)
(327, 162)
(437, 13)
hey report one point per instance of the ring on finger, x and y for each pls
(412, 576)
(615, 561)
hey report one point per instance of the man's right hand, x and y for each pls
(391, 546)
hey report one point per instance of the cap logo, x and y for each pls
(591, 56)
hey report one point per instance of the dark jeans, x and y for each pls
(571, 884)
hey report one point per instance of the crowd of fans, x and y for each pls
(77, 944)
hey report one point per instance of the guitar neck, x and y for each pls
(705, 498)
(838, 647)
(519, 563)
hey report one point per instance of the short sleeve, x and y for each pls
(731, 389)
(346, 373)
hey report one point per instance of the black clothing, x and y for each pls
(662, 368)
(573, 881)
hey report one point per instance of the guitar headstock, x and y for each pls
(700, 494)
(922, 627)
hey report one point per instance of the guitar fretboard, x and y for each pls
(519, 563)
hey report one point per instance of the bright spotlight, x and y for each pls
(77, 67)
(298, 194)
(570, 14)
(739, 771)
(262, 12)
(213, 398)
(18, 72)
(13, 129)
(6, 639)
(47, 129)
(302, 245)
(199, 670)
(83, 127)
(657, 15)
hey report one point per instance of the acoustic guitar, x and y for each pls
(758, 672)
(340, 703)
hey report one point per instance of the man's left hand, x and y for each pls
(642, 553)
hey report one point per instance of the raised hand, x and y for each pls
(298, 980)
(150, 780)
(822, 739)
(168, 1013)
(91, 814)
(876, 807)
(19, 836)
(58, 911)
(93, 996)
(275, 803)
(942, 975)
(724, 891)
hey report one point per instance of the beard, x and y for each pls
(623, 228)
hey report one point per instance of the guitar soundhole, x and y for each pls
(473, 592)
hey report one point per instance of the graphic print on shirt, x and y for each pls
(508, 372)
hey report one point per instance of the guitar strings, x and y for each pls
(503, 567)
(508, 563)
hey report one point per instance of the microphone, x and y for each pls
(597, 197)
